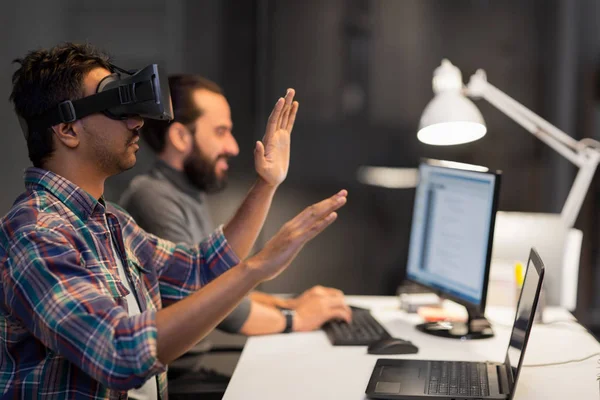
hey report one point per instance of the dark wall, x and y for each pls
(365, 110)
(363, 69)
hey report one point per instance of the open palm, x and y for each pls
(272, 155)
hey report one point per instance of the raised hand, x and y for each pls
(272, 155)
(279, 252)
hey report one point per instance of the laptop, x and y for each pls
(458, 380)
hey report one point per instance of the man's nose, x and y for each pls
(134, 123)
(232, 147)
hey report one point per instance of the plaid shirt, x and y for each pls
(65, 332)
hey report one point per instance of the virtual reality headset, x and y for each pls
(120, 95)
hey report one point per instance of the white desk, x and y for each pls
(306, 366)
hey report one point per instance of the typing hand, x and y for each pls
(279, 252)
(314, 311)
(315, 291)
(272, 155)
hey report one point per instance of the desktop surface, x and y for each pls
(307, 366)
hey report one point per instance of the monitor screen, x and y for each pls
(452, 229)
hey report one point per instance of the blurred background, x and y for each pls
(362, 70)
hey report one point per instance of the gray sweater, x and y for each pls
(164, 203)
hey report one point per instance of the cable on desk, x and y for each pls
(564, 321)
(572, 322)
(561, 362)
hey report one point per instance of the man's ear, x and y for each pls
(180, 137)
(67, 134)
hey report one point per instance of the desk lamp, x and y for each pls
(451, 118)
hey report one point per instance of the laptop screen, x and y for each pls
(524, 317)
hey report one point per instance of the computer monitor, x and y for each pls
(451, 240)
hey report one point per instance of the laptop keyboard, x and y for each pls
(459, 378)
(362, 331)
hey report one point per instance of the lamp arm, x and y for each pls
(587, 159)
(580, 187)
(556, 142)
(539, 127)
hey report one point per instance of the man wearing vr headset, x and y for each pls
(90, 304)
(170, 200)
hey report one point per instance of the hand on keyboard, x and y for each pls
(315, 310)
(315, 291)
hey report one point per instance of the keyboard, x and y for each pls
(362, 331)
(458, 378)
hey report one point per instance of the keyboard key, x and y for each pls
(458, 378)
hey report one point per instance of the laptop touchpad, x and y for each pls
(390, 379)
(387, 387)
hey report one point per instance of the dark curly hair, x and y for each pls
(185, 110)
(46, 78)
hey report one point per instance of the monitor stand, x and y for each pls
(476, 327)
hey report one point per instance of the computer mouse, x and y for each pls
(392, 346)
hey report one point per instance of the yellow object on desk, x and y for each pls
(519, 275)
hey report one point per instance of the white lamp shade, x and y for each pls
(449, 119)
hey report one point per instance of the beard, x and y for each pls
(201, 172)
